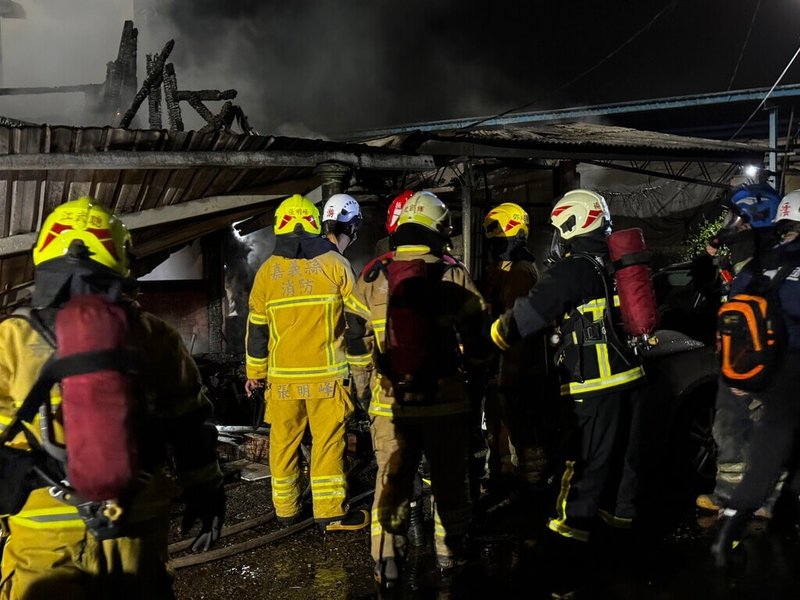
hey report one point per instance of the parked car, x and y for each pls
(683, 373)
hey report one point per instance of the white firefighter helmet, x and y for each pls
(341, 214)
(580, 212)
(425, 209)
(789, 208)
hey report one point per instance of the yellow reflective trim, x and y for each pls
(566, 482)
(300, 372)
(337, 366)
(256, 362)
(419, 249)
(354, 303)
(558, 525)
(603, 362)
(257, 319)
(327, 480)
(329, 333)
(288, 494)
(566, 531)
(498, 339)
(329, 494)
(380, 409)
(304, 300)
(362, 360)
(594, 385)
(597, 303)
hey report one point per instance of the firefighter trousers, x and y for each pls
(324, 408)
(382, 543)
(735, 419)
(515, 440)
(600, 470)
(774, 441)
(444, 440)
(50, 554)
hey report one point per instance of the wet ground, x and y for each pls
(667, 558)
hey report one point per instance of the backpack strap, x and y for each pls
(56, 369)
(612, 333)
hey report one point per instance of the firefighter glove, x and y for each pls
(208, 506)
(504, 331)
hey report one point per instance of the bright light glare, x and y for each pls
(751, 170)
(236, 233)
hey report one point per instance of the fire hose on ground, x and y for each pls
(257, 542)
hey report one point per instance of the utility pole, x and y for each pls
(8, 10)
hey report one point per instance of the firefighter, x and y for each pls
(341, 218)
(512, 274)
(435, 421)
(50, 551)
(295, 345)
(748, 232)
(599, 478)
(774, 437)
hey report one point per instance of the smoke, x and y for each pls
(330, 66)
(59, 43)
(326, 66)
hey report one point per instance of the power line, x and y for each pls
(772, 89)
(582, 74)
(744, 45)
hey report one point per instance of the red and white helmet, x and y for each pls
(580, 212)
(395, 208)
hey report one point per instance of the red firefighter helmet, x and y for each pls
(395, 208)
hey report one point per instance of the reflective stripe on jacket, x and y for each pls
(173, 412)
(601, 365)
(295, 330)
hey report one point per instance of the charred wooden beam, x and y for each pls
(58, 89)
(201, 108)
(127, 62)
(221, 121)
(111, 91)
(208, 95)
(153, 78)
(171, 98)
(153, 97)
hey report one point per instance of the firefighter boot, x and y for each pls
(350, 522)
(416, 533)
(731, 531)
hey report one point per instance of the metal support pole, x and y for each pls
(332, 178)
(466, 215)
(773, 145)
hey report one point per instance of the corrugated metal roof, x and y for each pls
(573, 140)
(28, 195)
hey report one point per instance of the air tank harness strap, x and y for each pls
(629, 260)
(56, 369)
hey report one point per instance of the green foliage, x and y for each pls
(696, 243)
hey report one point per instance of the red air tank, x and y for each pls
(97, 407)
(632, 274)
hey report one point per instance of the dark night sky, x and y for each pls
(327, 66)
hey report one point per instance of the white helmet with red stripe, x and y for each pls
(580, 212)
